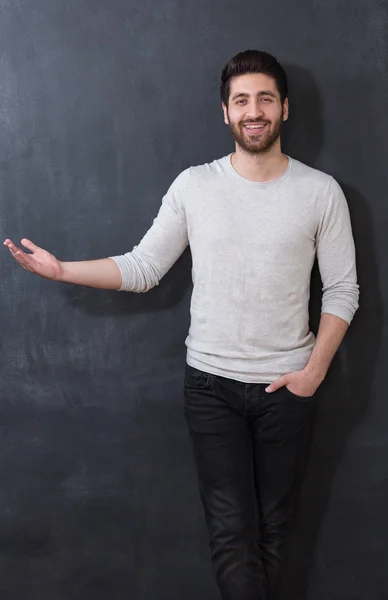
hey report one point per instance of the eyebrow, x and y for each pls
(245, 95)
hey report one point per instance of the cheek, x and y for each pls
(273, 115)
(236, 116)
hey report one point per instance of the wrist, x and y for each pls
(316, 374)
(62, 272)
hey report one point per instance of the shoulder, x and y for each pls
(321, 186)
(199, 174)
(310, 176)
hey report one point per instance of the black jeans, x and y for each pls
(249, 448)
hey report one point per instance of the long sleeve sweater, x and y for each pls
(253, 246)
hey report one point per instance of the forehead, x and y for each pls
(252, 83)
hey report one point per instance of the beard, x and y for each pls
(256, 144)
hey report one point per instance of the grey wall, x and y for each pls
(102, 104)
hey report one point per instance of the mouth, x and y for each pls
(254, 128)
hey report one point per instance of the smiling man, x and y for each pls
(255, 135)
(255, 220)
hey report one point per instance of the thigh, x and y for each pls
(281, 432)
(223, 451)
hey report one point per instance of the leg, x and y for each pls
(223, 451)
(281, 431)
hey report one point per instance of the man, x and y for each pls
(255, 220)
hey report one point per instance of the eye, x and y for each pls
(241, 101)
(267, 99)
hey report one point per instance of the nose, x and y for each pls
(255, 110)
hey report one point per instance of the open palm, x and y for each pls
(39, 261)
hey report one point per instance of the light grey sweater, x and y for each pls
(253, 246)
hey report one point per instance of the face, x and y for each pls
(255, 112)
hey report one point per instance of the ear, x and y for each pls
(225, 109)
(286, 109)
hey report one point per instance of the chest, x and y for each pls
(262, 226)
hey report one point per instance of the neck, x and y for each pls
(260, 167)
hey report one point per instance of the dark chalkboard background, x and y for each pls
(102, 104)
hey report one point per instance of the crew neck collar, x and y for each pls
(242, 179)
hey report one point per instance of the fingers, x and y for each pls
(275, 385)
(25, 242)
(11, 246)
(30, 245)
(21, 257)
(9, 243)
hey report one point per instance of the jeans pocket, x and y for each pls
(298, 398)
(196, 379)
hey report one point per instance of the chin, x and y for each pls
(256, 148)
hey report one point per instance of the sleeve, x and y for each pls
(162, 245)
(336, 257)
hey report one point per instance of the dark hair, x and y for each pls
(253, 61)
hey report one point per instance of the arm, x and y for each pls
(331, 332)
(102, 273)
(336, 260)
(137, 271)
(143, 267)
